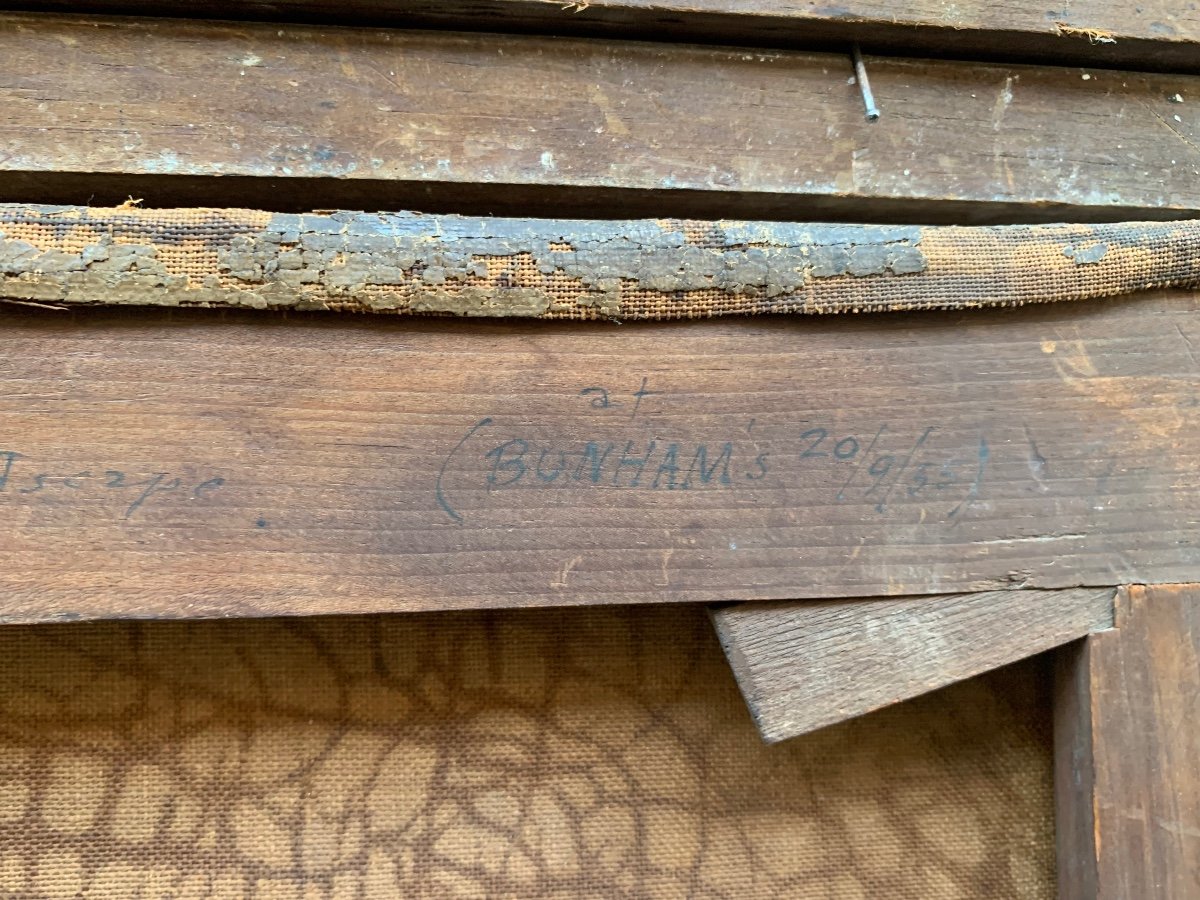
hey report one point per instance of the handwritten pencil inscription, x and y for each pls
(21, 479)
(875, 467)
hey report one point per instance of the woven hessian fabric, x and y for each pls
(569, 269)
(525, 754)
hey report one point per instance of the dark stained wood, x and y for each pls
(1155, 35)
(261, 463)
(485, 123)
(805, 665)
(1075, 773)
(1127, 752)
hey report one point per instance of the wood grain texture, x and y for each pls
(1127, 767)
(385, 119)
(1152, 35)
(194, 463)
(804, 665)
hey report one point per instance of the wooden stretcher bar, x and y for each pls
(200, 463)
(292, 118)
(1159, 36)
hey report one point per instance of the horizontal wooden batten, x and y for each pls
(195, 463)
(1155, 35)
(157, 109)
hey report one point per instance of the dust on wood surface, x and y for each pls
(1127, 771)
(190, 463)
(807, 665)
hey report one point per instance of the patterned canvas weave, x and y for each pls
(527, 754)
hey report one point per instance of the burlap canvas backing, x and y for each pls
(549, 753)
(407, 263)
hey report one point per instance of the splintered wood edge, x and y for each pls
(802, 665)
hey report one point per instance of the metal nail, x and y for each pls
(860, 74)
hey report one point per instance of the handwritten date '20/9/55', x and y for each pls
(876, 467)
